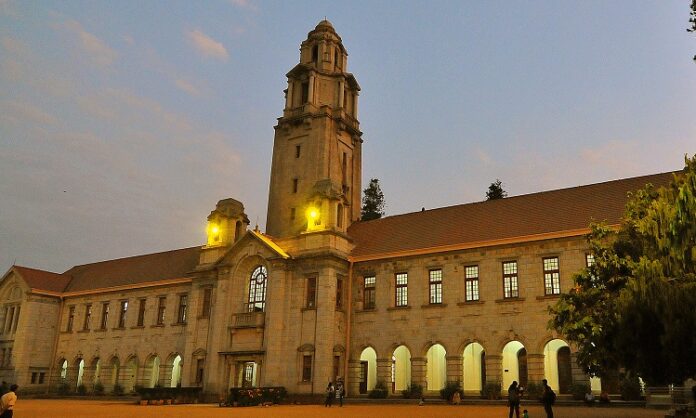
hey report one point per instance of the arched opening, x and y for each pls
(131, 372)
(64, 369)
(401, 369)
(436, 372)
(238, 230)
(257, 290)
(473, 367)
(152, 371)
(557, 367)
(176, 372)
(115, 370)
(96, 369)
(368, 369)
(339, 215)
(80, 371)
(514, 364)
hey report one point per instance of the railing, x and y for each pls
(668, 395)
(248, 319)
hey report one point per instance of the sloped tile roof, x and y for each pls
(42, 279)
(133, 270)
(489, 221)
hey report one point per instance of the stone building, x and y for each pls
(452, 294)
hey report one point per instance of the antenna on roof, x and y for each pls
(423, 209)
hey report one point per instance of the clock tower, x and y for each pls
(316, 166)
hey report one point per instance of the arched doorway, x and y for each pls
(131, 372)
(436, 370)
(557, 367)
(514, 364)
(401, 369)
(368, 369)
(473, 367)
(152, 370)
(176, 372)
(80, 371)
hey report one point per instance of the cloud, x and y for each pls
(207, 46)
(15, 112)
(100, 53)
(244, 4)
(187, 87)
(8, 8)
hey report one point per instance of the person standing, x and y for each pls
(548, 398)
(330, 393)
(514, 399)
(7, 402)
(340, 390)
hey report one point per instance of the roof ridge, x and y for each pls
(520, 196)
(35, 269)
(132, 257)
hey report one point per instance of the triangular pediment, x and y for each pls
(253, 242)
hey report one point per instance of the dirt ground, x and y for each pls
(41, 408)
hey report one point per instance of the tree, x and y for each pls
(635, 306)
(373, 202)
(692, 19)
(495, 191)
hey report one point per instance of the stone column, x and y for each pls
(535, 368)
(310, 92)
(454, 369)
(353, 378)
(341, 93)
(384, 372)
(418, 371)
(494, 368)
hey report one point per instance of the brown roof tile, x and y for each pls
(132, 270)
(488, 221)
(42, 279)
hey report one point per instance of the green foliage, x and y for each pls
(373, 202)
(495, 191)
(533, 391)
(634, 308)
(630, 388)
(98, 388)
(413, 391)
(491, 390)
(81, 390)
(450, 389)
(578, 390)
(117, 390)
(380, 391)
(63, 388)
(181, 394)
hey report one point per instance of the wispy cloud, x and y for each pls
(207, 46)
(15, 112)
(99, 52)
(245, 4)
(187, 87)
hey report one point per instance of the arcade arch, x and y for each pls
(436, 370)
(368, 369)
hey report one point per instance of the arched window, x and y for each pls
(257, 290)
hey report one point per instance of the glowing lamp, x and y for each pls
(313, 217)
(213, 232)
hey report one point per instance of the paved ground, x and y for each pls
(40, 408)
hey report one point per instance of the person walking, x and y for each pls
(330, 393)
(514, 399)
(7, 402)
(340, 390)
(548, 398)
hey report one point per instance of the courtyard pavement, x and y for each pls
(54, 408)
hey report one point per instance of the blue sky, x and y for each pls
(123, 123)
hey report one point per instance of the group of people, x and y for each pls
(8, 397)
(333, 391)
(515, 392)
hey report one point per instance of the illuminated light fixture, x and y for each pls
(313, 217)
(213, 232)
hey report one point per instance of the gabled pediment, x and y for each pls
(260, 244)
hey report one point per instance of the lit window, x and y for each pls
(122, 314)
(471, 280)
(207, 299)
(311, 292)
(88, 317)
(435, 277)
(307, 368)
(402, 289)
(510, 286)
(589, 260)
(183, 309)
(71, 318)
(161, 309)
(369, 292)
(257, 290)
(552, 280)
(105, 315)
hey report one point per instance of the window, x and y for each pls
(105, 315)
(257, 290)
(339, 215)
(510, 286)
(207, 298)
(435, 278)
(8, 324)
(16, 319)
(402, 289)
(34, 377)
(294, 185)
(200, 368)
(292, 214)
(122, 314)
(471, 282)
(42, 377)
(369, 292)
(71, 318)
(88, 317)
(183, 307)
(298, 149)
(344, 166)
(589, 260)
(161, 309)
(552, 279)
(141, 312)
(311, 299)
(315, 53)
(307, 368)
(339, 292)
(305, 92)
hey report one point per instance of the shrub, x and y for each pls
(413, 391)
(533, 391)
(117, 390)
(81, 390)
(578, 390)
(380, 391)
(491, 390)
(98, 388)
(63, 388)
(447, 393)
(630, 388)
(255, 396)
